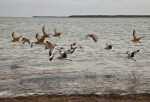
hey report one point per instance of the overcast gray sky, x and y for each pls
(28, 8)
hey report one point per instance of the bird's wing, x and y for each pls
(133, 53)
(38, 37)
(127, 52)
(53, 44)
(80, 47)
(44, 31)
(55, 30)
(51, 52)
(19, 37)
(13, 35)
(28, 41)
(141, 37)
(134, 35)
(89, 35)
(136, 51)
(70, 51)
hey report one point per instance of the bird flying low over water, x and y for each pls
(40, 40)
(51, 52)
(63, 55)
(25, 40)
(108, 46)
(51, 47)
(73, 47)
(92, 36)
(49, 44)
(15, 39)
(135, 39)
(131, 55)
(57, 34)
(45, 33)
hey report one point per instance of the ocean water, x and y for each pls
(26, 71)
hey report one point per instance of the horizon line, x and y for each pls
(96, 16)
(124, 15)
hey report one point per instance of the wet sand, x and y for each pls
(145, 97)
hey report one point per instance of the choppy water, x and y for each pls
(25, 70)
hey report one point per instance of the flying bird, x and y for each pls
(25, 40)
(51, 47)
(49, 44)
(51, 52)
(57, 34)
(45, 33)
(63, 55)
(92, 36)
(131, 55)
(40, 40)
(73, 48)
(108, 46)
(15, 39)
(135, 39)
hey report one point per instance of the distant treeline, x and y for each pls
(96, 16)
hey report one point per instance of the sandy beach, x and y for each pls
(80, 98)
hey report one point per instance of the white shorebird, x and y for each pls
(51, 47)
(15, 39)
(73, 47)
(108, 46)
(63, 55)
(25, 40)
(131, 55)
(135, 39)
(92, 36)
(51, 52)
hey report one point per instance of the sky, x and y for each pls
(29, 8)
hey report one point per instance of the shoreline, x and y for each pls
(143, 97)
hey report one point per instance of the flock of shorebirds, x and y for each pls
(64, 53)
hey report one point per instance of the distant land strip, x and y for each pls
(97, 16)
(111, 16)
(51, 16)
